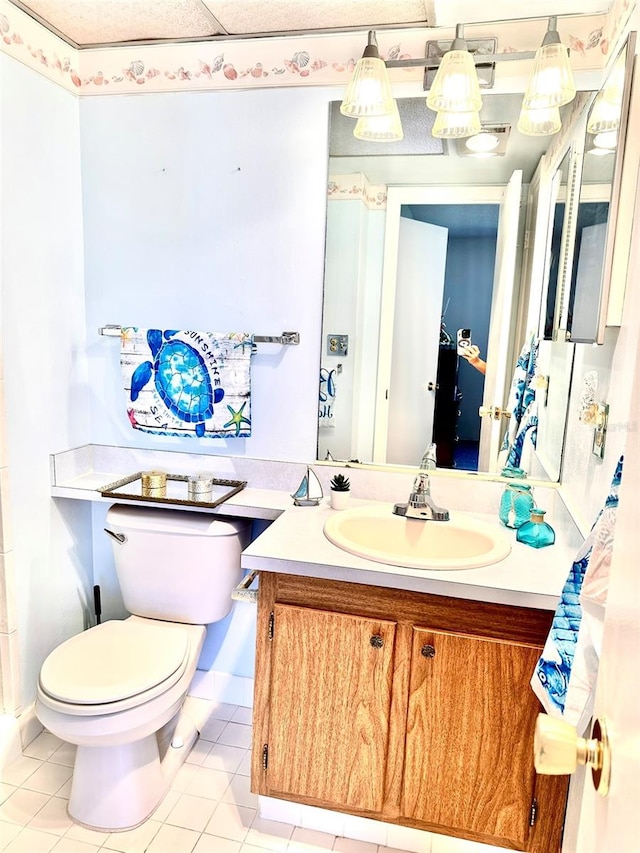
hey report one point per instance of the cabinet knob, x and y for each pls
(557, 750)
(428, 651)
(433, 386)
(376, 641)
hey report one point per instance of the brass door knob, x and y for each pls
(494, 412)
(557, 750)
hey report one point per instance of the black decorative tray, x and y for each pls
(176, 492)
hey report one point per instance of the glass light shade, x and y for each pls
(551, 83)
(456, 125)
(604, 116)
(606, 141)
(614, 87)
(369, 91)
(539, 122)
(380, 128)
(455, 88)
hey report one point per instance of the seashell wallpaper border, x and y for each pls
(357, 188)
(321, 60)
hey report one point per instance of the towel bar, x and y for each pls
(242, 591)
(285, 339)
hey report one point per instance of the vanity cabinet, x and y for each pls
(405, 707)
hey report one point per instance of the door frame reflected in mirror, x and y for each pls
(495, 384)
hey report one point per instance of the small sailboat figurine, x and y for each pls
(309, 492)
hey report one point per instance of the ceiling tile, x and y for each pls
(448, 13)
(105, 21)
(241, 17)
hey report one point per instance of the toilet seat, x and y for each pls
(114, 666)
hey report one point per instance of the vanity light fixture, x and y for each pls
(551, 82)
(461, 69)
(543, 122)
(386, 128)
(456, 88)
(369, 91)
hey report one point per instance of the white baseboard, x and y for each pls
(386, 835)
(16, 733)
(222, 687)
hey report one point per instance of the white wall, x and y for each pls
(207, 211)
(586, 478)
(45, 370)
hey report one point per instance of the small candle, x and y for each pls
(154, 484)
(200, 487)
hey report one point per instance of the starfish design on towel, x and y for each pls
(243, 341)
(237, 418)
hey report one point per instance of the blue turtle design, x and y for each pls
(181, 379)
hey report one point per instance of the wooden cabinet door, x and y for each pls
(469, 707)
(329, 708)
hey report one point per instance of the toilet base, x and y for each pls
(116, 787)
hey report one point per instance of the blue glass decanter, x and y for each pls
(516, 504)
(536, 532)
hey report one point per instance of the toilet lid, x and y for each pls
(114, 661)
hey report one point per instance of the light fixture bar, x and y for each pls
(429, 62)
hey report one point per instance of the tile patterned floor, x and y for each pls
(208, 809)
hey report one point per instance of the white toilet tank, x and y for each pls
(174, 565)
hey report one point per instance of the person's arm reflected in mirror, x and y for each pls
(472, 355)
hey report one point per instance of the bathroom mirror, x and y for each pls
(595, 223)
(361, 177)
(554, 367)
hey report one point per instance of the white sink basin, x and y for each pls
(375, 533)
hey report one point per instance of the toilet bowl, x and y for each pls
(118, 688)
(109, 690)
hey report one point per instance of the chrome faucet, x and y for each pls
(420, 504)
(429, 458)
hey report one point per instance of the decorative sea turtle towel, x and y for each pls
(181, 383)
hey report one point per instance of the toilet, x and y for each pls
(118, 690)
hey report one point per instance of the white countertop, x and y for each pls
(295, 544)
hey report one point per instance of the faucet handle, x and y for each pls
(421, 483)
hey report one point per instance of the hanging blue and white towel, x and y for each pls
(565, 675)
(183, 383)
(523, 423)
(327, 398)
